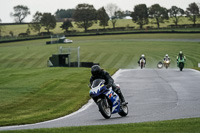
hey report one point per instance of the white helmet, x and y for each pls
(142, 55)
(166, 55)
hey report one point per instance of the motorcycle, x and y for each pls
(166, 63)
(181, 63)
(107, 100)
(159, 65)
(142, 63)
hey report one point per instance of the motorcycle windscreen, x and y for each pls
(97, 82)
(98, 88)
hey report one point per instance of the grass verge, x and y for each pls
(191, 125)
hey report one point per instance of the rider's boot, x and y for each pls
(121, 97)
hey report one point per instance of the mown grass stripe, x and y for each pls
(121, 60)
(102, 60)
(25, 60)
(42, 62)
(15, 61)
(6, 60)
(99, 57)
(6, 55)
(114, 61)
(109, 59)
(192, 61)
(87, 57)
(36, 58)
(132, 62)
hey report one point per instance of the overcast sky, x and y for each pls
(6, 6)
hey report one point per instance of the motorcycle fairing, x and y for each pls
(98, 90)
(114, 98)
(181, 60)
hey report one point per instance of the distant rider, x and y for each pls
(180, 56)
(142, 57)
(98, 73)
(166, 58)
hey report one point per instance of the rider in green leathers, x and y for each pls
(180, 58)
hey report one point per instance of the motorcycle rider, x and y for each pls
(98, 73)
(142, 57)
(166, 58)
(180, 56)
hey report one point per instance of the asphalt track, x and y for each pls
(153, 95)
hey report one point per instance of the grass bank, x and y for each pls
(31, 92)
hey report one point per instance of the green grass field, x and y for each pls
(32, 92)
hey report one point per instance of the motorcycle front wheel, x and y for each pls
(181, 65)
(124, 110)
(104, 108)
(141, 65)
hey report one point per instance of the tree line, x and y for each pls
(85, 15)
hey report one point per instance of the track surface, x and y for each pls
(152, 94)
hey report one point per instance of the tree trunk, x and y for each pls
(141, 26)
(113, 25)
(158, 24)
(85, 29)
(194, 20)
(176, 22)
(114, 22)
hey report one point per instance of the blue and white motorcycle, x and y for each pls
(107, 100)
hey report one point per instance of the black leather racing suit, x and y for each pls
(109, 82)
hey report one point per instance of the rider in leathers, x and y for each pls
(166, 58)
(98, 73)
(181, 55)
(142, 57)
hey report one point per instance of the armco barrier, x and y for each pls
(104, 33)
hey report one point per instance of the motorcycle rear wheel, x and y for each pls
(104, 108)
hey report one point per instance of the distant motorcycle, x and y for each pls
(181, 63)
(107, 100)
(142, 63)
(166, 63)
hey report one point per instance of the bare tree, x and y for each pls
(20, 13)
(111, 10)
(176, 13)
